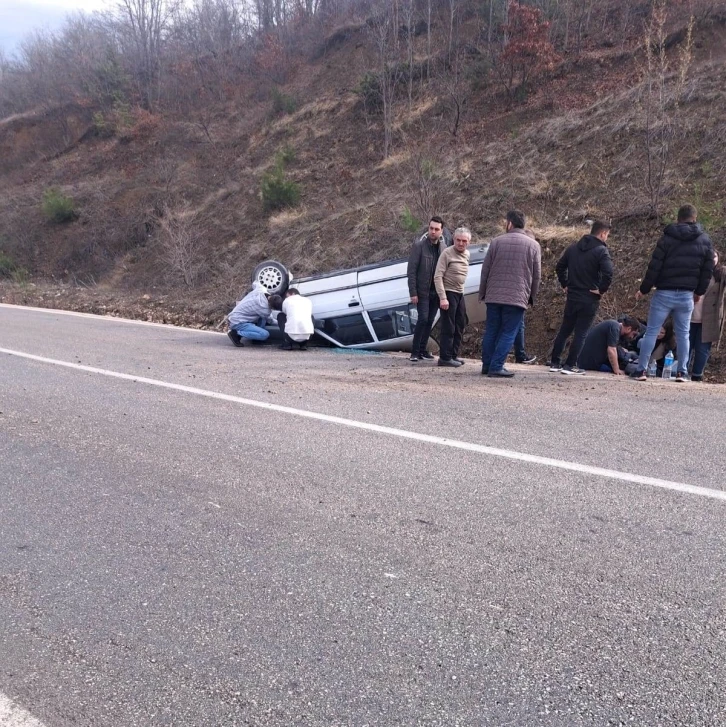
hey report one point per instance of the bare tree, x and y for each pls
(384, 34)
(143, 25)
(662, 86)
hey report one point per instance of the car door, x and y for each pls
(337, 308)
(383, 291)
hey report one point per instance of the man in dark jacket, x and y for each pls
(585, 272)
(680, 270)
(421, 266)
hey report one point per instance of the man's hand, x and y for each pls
(618, 373)
(595, 292)
(565, 290)
(696, 298)
(414, 299)
(639, 295)
(444, 304)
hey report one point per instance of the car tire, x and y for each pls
(273, 275)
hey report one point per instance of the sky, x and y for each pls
(20, 17)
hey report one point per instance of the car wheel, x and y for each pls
(273, 275)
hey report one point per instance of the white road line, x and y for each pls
(11, 715)
(116, 319)
(392, 431)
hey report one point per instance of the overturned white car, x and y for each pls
(367, 307)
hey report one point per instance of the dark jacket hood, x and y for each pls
(685, 231)
(588, 242)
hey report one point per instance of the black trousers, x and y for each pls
(577, 318)
(427, 308)
(281, 323)
(453, 322)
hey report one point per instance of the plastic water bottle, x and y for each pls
(653, 369)
(668, 365)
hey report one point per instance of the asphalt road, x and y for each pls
(168, 558)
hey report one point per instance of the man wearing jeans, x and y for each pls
(510, 277)
(680, 270)
(421, 265)
(247, 320)
(585, 272)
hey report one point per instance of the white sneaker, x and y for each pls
(555, 369)
(572, 371)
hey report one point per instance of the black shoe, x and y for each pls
(501, 374)
(450, 362)
(285, 347)
(235, 338)
(427, 356)
(696, 377)
(459, 360)
(484, 370)
(304, 346)
(527, 359)
(413, 357)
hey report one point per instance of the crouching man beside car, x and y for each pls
(449, 279)
(247, 319)
(296, 320)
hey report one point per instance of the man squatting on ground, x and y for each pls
(421, 266)
(449, 279)
(585, 272)
(295, 321)
(680, 270)
(510, 278)
(600, 350)
(247, 319)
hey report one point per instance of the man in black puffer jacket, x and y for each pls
(680, 270)
(585, 272)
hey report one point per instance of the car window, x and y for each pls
(347, 330)
(393, 322)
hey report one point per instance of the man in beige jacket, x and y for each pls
(510, 277)
(449, 278)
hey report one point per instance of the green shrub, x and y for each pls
(408, 221)
(11, 270)
(277, 191)
(57, 207)
(282, 103)
(369, 89)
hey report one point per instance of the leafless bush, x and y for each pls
(181, 244)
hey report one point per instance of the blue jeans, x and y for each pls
(700, 350)
(679, 304)
(503, 323)
(519, 353)
(253, 332)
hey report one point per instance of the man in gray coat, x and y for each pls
(421, 266)
(510, 277)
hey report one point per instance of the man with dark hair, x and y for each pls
(295, 321)
(585, 272)
(680, 270)
(421, 266)
(247, 320)
(510, 277)
(600, 351)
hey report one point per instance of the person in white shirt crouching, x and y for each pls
(296, 320)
